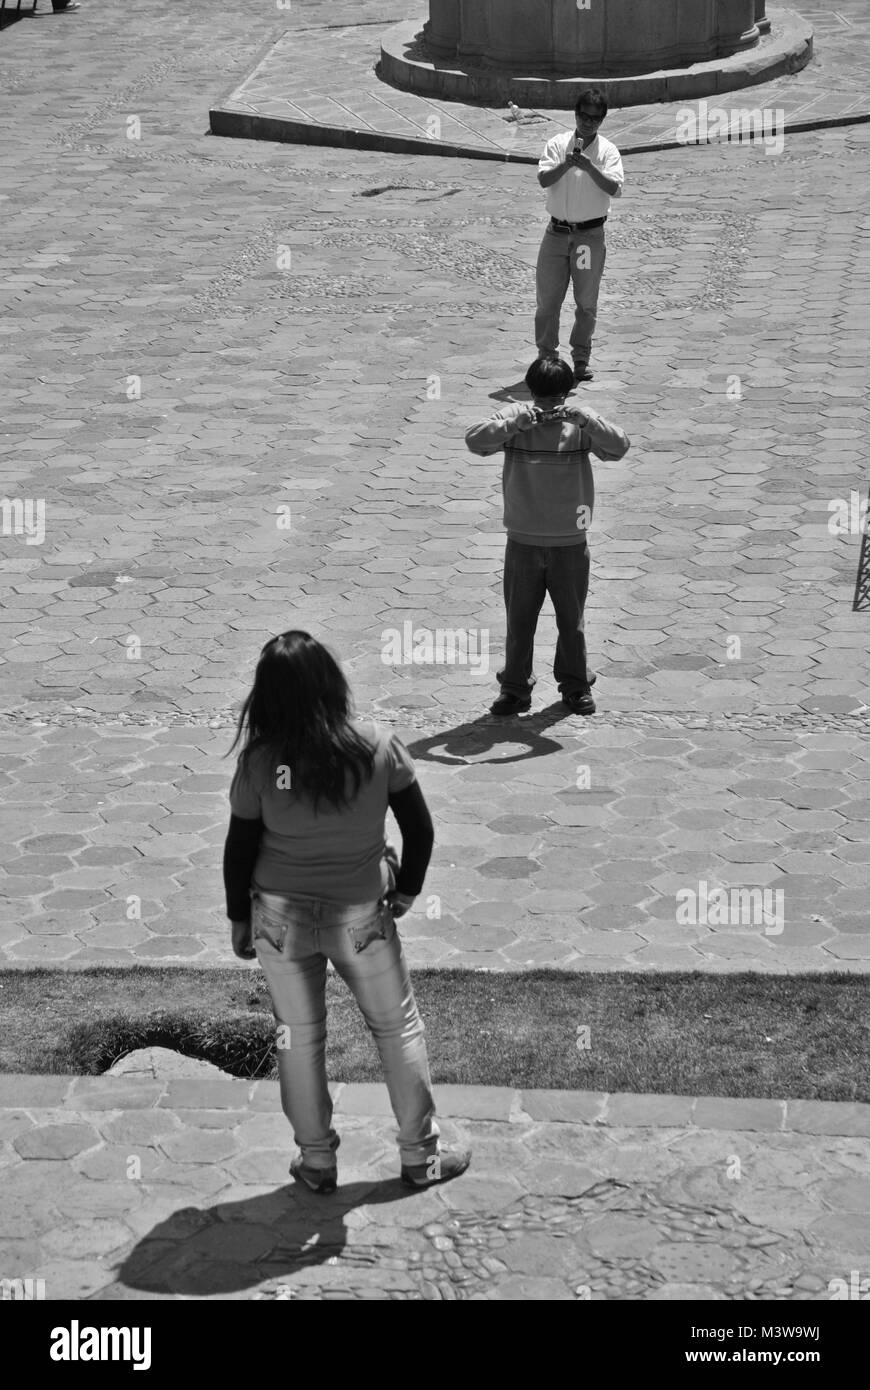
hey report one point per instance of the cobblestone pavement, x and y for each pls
(321, 74)
(238, 376)
(171, 1182)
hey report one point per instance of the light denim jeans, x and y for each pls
(562, 260)
(294, 939)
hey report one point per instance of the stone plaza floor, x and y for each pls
(226, 448)
(318, 83)
(238, 376)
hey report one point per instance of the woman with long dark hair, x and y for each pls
(311, 878)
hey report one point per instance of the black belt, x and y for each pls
(555, 223)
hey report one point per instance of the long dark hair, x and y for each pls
(299, 710)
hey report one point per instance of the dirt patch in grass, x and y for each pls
(804, 1036)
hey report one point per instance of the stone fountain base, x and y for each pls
(405, 63)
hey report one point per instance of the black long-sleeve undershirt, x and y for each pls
(240, 855)
(418, 836)
(414, 821)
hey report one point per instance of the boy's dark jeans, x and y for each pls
(531, 572)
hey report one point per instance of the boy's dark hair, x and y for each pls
(593, 96)
(549, 376)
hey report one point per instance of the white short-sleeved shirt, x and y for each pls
(335, 855)
(576, 197)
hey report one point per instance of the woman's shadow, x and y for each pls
(227, 1248)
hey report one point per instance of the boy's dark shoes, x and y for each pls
(579, 702)
(582, 373)
(510, 704)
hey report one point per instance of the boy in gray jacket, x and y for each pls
(549, 495)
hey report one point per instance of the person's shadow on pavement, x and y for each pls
(232, 1246)
(488, 733)
(518, 392)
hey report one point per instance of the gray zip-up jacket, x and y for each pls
(547, 482)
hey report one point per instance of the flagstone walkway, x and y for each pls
(168, 1180)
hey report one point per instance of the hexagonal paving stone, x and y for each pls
(849, 1233)
(518, 825)
(100, 1237)
(607, 944)
(527, 952)
(139, 1126)
(55, 1141)
(203, 1179)
(509, 868)
(257, 1166)
(168, 948)
(113, 1161)
(199, 1146)
(53, 844)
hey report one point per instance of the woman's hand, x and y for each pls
(243, 941)
(399, 903)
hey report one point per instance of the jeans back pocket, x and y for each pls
(375, 929)
(264, 928)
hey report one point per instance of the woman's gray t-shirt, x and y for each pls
(339, 856)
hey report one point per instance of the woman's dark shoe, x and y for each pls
(510, 704)
(322, 1180)
(441, 1167)
(579, 702)
(582, 373)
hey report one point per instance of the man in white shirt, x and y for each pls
(581, 172)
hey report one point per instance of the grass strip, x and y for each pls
(743, 1035)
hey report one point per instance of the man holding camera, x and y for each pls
(581, 172)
